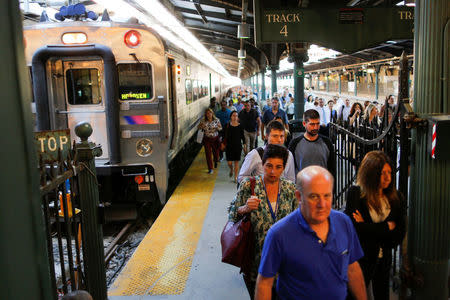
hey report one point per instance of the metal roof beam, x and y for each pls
(212, 14)
(221, 4)
(199, 10)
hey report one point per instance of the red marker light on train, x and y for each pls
(132, 39)
(178, 69)
(139, 179)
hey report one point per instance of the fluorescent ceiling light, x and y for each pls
(163, 22)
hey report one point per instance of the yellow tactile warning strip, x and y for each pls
(161, 263)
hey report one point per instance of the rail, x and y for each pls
(391, 135)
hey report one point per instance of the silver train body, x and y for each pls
(144, 102)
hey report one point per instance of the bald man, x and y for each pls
(314, 250)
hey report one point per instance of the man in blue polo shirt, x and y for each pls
(272, 114)
(314, 250)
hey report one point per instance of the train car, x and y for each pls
(143, 97)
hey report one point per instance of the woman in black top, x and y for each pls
(378, 212)
(234, 135)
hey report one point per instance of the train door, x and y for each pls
(77, 90)
(171, 72)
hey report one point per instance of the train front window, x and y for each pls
(135, 81)
(83, 86)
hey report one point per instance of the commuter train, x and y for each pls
(142, 95)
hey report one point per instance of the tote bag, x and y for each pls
(199, 136)
(236, 241)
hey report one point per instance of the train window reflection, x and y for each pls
(83, 86)
(195, 88)
(188, 86)
(135, 81)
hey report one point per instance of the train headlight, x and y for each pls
(74, 38)
(144, 147)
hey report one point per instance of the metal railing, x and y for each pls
(70, 206)
(391, 136)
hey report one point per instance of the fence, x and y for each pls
(70, 207)
(353, 141)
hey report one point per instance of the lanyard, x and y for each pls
(268, 201)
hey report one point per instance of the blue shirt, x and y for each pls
(308, 268)
(224, 116)
(239, 107)
(269, 116)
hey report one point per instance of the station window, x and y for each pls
(135, 81)
(188, 86)
(83, 86)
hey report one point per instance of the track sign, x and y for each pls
(50, 143)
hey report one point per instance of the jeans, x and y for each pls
(249, 138)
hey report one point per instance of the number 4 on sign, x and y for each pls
(284, 30)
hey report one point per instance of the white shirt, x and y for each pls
(290, 108)
(322, 114)
(344, 111)
(327, 115)
(309, 105)
(252, 166)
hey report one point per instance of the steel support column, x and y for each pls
(377, 88)
(298, 58)
(263, 85)
(429, 211)
(328, 83)
(340, 83)
(273, 69)
(355, 78)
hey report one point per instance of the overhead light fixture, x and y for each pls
(241, 53)
(371, 70)
(410, 3)
(243, 31)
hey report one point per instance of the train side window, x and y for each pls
(135, 81)
(83, 86)
(195, 88)
(188, 86)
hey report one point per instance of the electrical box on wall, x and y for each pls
(438, 136)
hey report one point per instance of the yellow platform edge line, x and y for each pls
(162, 262)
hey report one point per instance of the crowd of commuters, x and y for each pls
(294, 227)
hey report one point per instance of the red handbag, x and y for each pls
(237, 241)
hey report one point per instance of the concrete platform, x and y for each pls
(208, 277)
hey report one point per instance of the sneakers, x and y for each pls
(210, 171)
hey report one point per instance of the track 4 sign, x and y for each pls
(343, 29)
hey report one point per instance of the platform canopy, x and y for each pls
(215, 24)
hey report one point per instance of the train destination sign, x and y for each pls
(342, 29)
(134, 96)
(50, 143)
